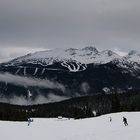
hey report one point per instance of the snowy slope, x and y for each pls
(72, 59)
(133, 56)
(87, 129)
(85, 56)
(75, 59)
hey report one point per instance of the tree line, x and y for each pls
(80, 107)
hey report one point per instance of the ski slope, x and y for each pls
(99, 128)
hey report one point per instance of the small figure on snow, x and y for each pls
(29, 121)
(125, 121)
(110, 119)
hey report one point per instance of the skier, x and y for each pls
(125, 121)
(29, 121)
(110, 119)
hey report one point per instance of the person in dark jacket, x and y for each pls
(125, 121)
(110, 119)
(29, 121)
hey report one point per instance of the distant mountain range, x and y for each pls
(58, 74)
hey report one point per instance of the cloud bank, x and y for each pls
(31, 82)
(21, 100)
(28, 82)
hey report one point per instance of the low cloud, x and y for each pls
(85, 87)
(21, 100)
(14, 52)
(30, 82)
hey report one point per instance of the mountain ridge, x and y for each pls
(90, 53)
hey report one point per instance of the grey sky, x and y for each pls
(40, 24)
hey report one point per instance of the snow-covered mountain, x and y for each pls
(78, 58)
(77, 72)
(85, 55)
(72, 59)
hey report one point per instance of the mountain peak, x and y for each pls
(109, 53)
(71, 51)
(90, 48)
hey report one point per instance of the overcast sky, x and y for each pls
(31, 25)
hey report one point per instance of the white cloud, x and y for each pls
(27, 82)
(11, 52)
(21, 100)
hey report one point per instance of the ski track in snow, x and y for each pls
(71, 67)
(43, 70)
(36, 70)
(99, 128)
(24, 71)
(18, 70)
(74, 67)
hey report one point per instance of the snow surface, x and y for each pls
(99, 128)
